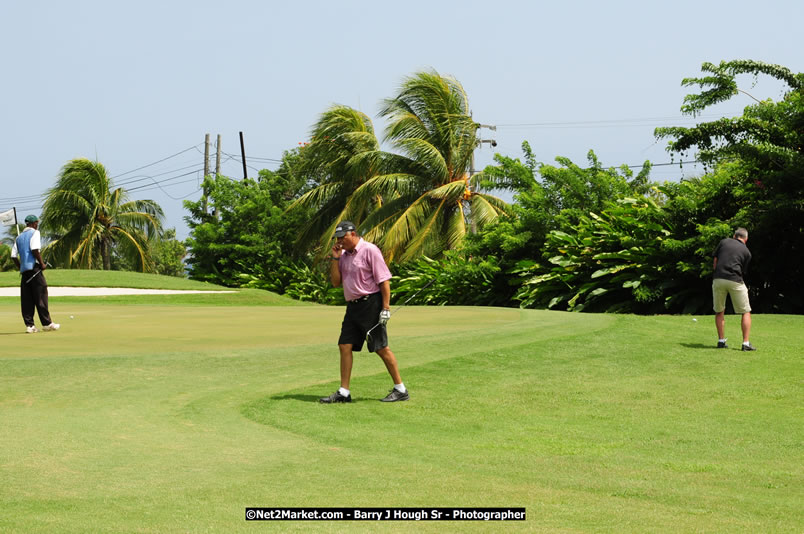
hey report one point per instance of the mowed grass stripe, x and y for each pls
(673, 430)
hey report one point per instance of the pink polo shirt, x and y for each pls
(362, 270)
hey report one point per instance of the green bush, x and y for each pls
(623, 260)
(452, 280)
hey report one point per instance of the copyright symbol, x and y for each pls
(251, 514)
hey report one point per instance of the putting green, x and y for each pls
(104, 330)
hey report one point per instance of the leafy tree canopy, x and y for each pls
(764, 191)
(251, 237)
(768, 138)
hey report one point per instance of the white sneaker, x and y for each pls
(52, 326)
(31, 330)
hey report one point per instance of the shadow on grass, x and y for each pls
(698, 346)
(297, 397)
(305, 398)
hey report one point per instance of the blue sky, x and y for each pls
(130, 84)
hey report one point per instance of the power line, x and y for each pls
(157, 184)
(679, 163)
(159, 161)
(240, 160)
(648, 121)
(27, 198)
(141, 177)
(152, 187)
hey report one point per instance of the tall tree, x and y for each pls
(415, 201)
(765, 150)
(84, 218)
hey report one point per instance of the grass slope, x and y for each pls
(92, 278)
(87, 278)
(175, 418)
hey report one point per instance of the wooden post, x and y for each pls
(243, 154)
(217, 170)
(206, 172)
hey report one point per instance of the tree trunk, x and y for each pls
(107, 257)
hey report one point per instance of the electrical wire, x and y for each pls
(159, 161)
(613, 123)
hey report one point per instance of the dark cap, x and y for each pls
(31, 219)
(344, 227)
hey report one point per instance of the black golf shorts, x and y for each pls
(362, 316)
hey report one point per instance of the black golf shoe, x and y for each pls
(396, 395)
(749, 346)
(335, 398)
(722, 345)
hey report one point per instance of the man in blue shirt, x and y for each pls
(33, 287)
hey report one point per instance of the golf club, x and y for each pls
(37, 273)
(425, 286)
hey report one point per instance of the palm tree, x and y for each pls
(431, 203)
(85, 219)
(418, 201)
(340, 135)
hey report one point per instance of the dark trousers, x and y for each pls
(33, 294)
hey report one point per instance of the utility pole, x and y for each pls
(479, 142)
(218, 158)
(206, 172)
(217, 170)
(243, 154)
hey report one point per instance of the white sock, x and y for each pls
(343, 391)
(400, 387)
(746, 343)
(722, 340)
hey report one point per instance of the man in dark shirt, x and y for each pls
(731, 264)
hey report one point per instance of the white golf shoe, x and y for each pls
(31, 330)
(52, 326)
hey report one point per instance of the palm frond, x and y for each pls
(428, 235)
(456, 227)
(452, 191)
(318, 196)
(427, 156)
(385, 186)
(134, 244)
(484, 210)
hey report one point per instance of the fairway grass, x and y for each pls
(145, 417)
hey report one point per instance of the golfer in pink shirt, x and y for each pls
(359, 267)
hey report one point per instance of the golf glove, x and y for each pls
(385, 315)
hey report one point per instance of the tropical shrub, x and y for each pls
(453, 279)
(622, 260)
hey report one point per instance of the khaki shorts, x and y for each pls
(739, 295)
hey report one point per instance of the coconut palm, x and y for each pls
(84, 218)
(417, 201)
(429, 204)
(329, 159)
